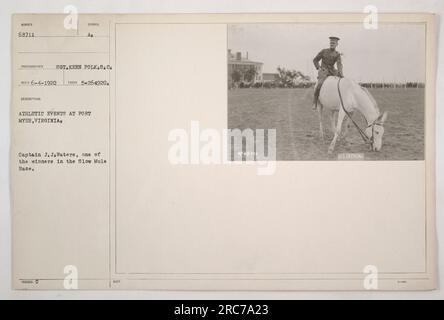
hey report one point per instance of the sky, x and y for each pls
(393, 53)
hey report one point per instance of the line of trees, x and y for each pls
(291, 78)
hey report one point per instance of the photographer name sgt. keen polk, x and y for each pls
(224, 147)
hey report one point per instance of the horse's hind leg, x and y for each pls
(333, 120)
(321, 127)
(341, 115)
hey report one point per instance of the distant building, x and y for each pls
(269, 77)
(242, 64)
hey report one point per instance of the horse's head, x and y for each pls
(375, 131)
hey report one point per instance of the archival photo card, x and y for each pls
(223, 152)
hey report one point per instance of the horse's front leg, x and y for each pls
(346, 127)
(321, 127)
(341, 115)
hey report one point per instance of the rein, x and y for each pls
(361, 132)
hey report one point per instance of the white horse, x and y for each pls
(354, 97)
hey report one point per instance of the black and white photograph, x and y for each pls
(332, 91)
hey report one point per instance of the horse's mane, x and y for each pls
(370, 97)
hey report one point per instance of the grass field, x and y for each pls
(297, 127)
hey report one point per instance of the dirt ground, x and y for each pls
(297, 127)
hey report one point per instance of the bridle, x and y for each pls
(375, 123)
(364, 137)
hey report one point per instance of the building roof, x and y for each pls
(243, 61)
(239, 59)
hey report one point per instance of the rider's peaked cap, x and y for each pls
(334, 38)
